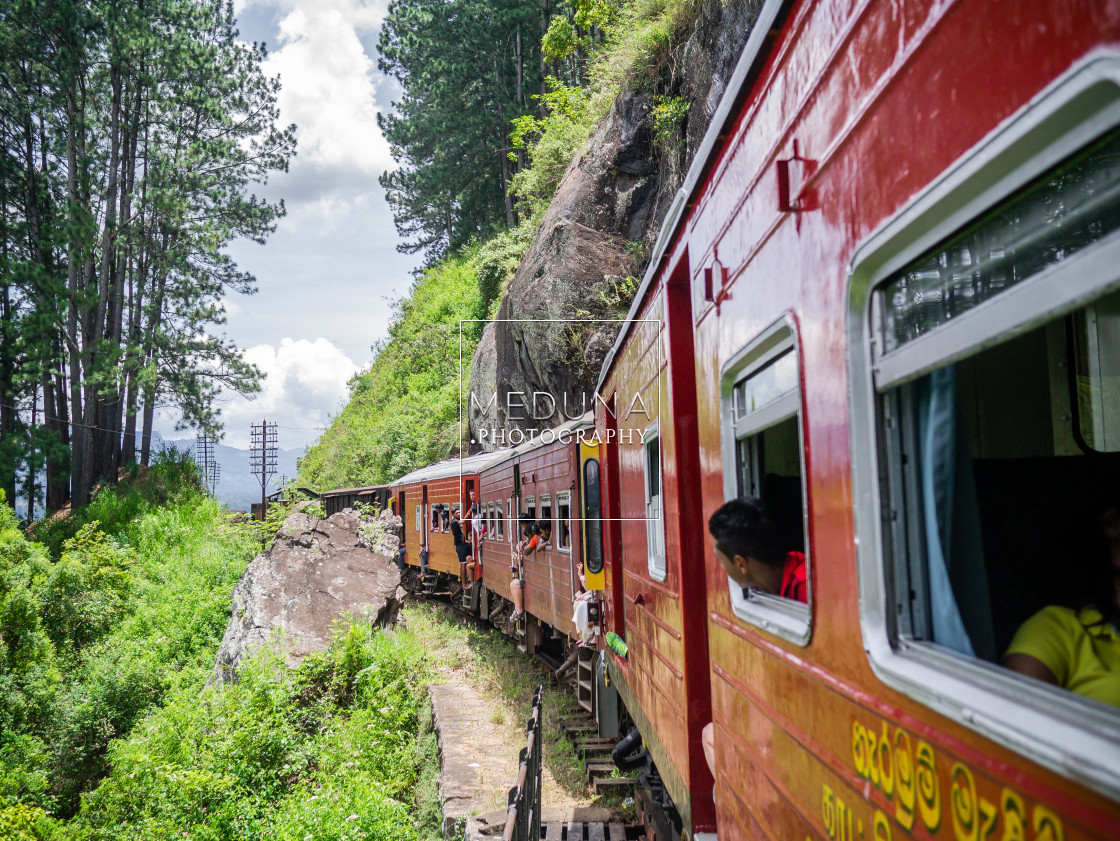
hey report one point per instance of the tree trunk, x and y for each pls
(80, 484)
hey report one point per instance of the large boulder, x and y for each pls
(554, 326)
(315, 571)
(577, 269)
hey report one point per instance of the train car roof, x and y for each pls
(363, 489)
(484, 461)
(451, 467)
(746, 71)
(586, 421)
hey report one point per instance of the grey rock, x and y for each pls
(584, 261)
(314, 571)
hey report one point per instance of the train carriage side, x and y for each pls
(903, 275)
(655, 587)
(541, 479)
(496, 484)
(852, 253)
(548, 474)
(429, 496)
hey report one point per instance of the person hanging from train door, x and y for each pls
(748, 545)
(462, 547)
(526, 545)
(479, 534)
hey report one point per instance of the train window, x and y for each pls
(435, 516)
(763, 457)
(563, 521)
(501, 521)
(445, 517)
(655, 526)
(985, 362)
(546, 509)
(419, 518)
(531, 507)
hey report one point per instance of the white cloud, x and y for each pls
(328, 84)
(305, 384)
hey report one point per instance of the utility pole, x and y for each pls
(207, 462)
(263, 441)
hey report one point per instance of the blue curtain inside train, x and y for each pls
(960, 606)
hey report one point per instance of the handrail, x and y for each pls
(523, 814)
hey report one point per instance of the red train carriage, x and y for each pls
(887, 305)
(425, 499)
(540, 479)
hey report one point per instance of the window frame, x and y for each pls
(563, 498)
(655, 527)
(544, 500)
(500, 522)
(785, 618)
(530, 506)
(419, 516)
(1047, 724)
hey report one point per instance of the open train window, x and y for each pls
(564, 521)
(445, 517)
(531, 507)
(655, 526)
(501, 521)
(546, 513)
(435, 516)
(985, 371)
(763, 458)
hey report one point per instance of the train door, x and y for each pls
(591, 517)
(424, 520)
(614, 525)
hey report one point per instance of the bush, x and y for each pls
(327, 749)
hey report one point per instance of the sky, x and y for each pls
(327, 275)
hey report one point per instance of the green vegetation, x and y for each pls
(97, 633)
(134, 135)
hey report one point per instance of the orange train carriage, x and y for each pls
(424, 500)
(886, 301)
(538, 479)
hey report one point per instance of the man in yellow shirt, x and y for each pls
(1078, 650)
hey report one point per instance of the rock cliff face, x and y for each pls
(315, 571)
(538, 363)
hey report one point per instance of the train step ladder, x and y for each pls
(585, 678)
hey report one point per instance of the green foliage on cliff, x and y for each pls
(598, 50)
(403, 411)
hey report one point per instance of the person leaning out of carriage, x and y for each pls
(462, 547)
(749, 548)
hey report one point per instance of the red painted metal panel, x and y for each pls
(875, 99)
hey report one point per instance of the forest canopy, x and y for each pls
(132, 137)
